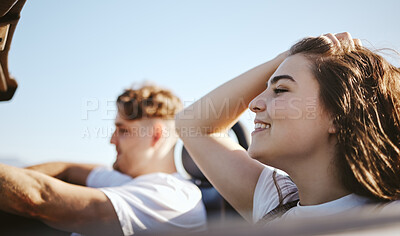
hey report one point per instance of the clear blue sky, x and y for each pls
(67, 53)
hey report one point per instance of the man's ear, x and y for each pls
(157, 133)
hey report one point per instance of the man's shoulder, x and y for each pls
(158, 200)
(161, 185)
(160, 178)
(158, 188)
(104, 176)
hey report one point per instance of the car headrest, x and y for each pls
(186, 166)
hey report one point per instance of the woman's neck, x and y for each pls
(314, 191)
(317, 179)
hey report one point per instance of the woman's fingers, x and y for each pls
(357, 42)
(333, 39)
(344, 37)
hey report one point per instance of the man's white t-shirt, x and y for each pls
(266, 199)
(156, 202)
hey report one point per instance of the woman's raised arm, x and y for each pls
(203, 125)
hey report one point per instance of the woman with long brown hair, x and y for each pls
(327, 113)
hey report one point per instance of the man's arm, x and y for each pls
(74, 173)
(60, 205)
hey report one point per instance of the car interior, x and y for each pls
(218, 209)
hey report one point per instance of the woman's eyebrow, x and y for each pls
(275, 79)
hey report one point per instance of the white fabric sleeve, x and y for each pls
(266, 196)
(157, 202)
(103, 176)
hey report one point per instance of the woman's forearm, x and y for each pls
(219, 110)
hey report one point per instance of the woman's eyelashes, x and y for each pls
(280, 90)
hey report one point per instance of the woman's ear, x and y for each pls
(332, 127)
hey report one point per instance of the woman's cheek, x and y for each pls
(282, 109)
(293, 108)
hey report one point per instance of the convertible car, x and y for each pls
(222, 218)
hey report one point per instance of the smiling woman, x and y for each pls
(361, 92)
(283, 105)
(329, 117)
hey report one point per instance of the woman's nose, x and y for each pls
(259, 103)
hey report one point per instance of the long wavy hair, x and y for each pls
(361, 90)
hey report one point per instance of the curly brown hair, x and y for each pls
(361, 90)
(149, 101)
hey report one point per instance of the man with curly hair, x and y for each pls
(142, 192)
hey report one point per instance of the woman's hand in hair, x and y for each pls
(345, 37)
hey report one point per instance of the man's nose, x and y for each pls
(113, 139)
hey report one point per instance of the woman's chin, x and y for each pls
(260, 156)
(254, 154)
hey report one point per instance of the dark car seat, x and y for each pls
(218, 209)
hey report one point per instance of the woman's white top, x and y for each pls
(266, 199)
